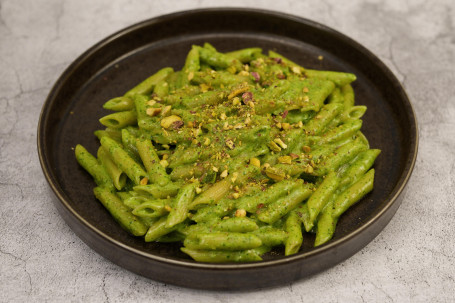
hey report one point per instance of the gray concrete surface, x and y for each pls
(41, 259)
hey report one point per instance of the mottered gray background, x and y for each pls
(41, 259)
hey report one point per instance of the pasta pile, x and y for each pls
(233, 155)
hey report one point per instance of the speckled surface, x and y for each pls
(41, 259)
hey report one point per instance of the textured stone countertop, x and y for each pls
(42, 260)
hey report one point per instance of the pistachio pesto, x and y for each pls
(233, 155)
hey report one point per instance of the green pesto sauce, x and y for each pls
(234, 154)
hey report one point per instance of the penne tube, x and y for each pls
(245, 55)
(158, 229)
(118, 177)
(353, 194)
(222, 241)
(326, 225)
(120, 119)
(318, 124)
(156, 171)
(158, 191)
(271, 236)
(119, 104)
(212, 195)
(120, 212)
(321, 196)
(222, 256)
(285, 204)
(340, 156)
(150, 208)
(180, 208)
(133, 170)
(263, 198)
(294, 240)
(146, 86)
(339, 78)
(93, 167)
(360, 165)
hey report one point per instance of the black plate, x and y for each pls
(111, 67)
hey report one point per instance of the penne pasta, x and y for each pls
(233, 155)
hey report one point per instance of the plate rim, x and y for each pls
(396, 192)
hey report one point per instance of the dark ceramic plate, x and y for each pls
(108, 69)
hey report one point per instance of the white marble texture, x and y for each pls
(41, 259)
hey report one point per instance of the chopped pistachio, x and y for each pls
(166, 110)
(234, 176)
(296, 70)
(243, 87)
(274, 173)
(204, 87)
(255, 162)
(285, 160)
(230, 144)
(152, 111)
(239, 126)
(240, 213)
(306, 148)
(169, 120)
(190, 76)
(274, 147)
(280, 143)
(164, 163)
(224, 174)
(144, 181)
